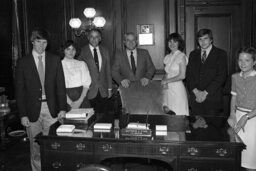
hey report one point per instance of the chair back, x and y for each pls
(95, 167)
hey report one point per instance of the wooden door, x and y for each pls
(224, 21)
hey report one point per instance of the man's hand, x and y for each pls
(199, 123)
(25, 121)
(61, 115)
(144, 81)
(125, 83)
(109, 93)
(200, 95)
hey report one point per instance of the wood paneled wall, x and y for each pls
(167, 16)
(121, 16)
(160, 14)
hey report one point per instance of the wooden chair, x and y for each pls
(95, 167)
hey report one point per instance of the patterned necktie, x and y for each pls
(41, 72)
(133, 63)
(203, 57)
(95, 55)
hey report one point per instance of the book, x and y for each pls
(80, 113)
(65, 128)
(102, 126)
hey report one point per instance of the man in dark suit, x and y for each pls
(132, 64)
(205, 76)
(98, 61)
(40, 92)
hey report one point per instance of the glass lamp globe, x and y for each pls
(75, 23)
(89, 12)
(99, 21)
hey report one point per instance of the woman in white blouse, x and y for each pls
(77, 77)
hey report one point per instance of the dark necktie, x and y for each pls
(95, 54)
(41, 72)
(203, 57)
(133, 63)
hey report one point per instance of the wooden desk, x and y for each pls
(178, 148)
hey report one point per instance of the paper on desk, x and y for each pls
(101, 130)
(161, 127)
(65, 128)
(79, 113)
(102, 126)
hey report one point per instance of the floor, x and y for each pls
(15, 157)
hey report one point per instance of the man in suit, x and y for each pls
(98, 61)
(205, 76)
(132, 64)
(40, 92)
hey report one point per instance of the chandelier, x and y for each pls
(90, 23)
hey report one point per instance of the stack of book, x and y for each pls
(102, 127)
(82, 115)
(65, 130)
(161, 130)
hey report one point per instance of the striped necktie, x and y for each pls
(203, 57)
(41, 72)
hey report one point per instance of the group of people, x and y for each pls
(47, 87)
(205, 74)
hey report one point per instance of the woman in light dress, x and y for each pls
(77, 77)
(175, 95)
(243, 105)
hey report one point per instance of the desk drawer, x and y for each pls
(65, 161)
(135, 149)
(207, 165)
(80, 146)
(209, 151)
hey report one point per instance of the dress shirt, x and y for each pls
(134, 55)
(207, 51)
(76, 73)
(35, 55)
(99, 54)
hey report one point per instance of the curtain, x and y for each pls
(16, 40)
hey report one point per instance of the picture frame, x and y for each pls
(145, 34)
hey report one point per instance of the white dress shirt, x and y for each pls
(134, 55)
(99, 54)
(35, 55)
(207, 51)
(76, 73)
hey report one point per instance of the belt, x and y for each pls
(43, 100)
(241, 109)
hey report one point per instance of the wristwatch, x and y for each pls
(247, 116)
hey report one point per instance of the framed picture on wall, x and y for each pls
(145, 34)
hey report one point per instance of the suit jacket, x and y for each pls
(209, 76)
(101, 80)
(29, 89)
(121, 68)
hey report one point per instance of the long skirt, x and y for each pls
(74, 94)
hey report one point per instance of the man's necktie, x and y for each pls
(95, 54)
(133, 63)
(41, 72)
(203, 57)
